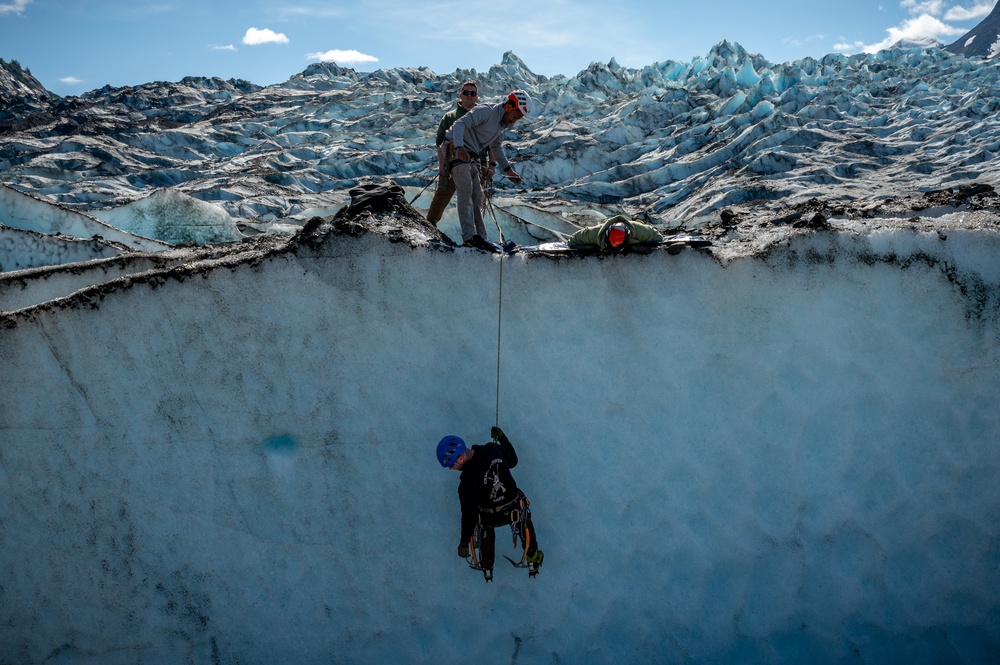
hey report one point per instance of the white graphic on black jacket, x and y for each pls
(497, 491)
(486, 483)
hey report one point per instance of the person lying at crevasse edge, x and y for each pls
(614, 235)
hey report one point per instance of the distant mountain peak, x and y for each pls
(918, 42)
(516, 73)
(983, 40)
(729, 50)
(326, 69)
(20, 93)
(511, 60)
(17, 83)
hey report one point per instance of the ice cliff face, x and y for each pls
(225, 454)
(674, 141)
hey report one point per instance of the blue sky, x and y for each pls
(73, 46)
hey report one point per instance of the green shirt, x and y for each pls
(448, 120)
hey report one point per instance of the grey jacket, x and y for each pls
(479, 129)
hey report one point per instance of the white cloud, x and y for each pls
(849, 47)
(227, 47)
(932, 7)
(797, 42)
(255, 37)
(924, 23)
(979, 10)
(70, 80)
(919, 27)
(348, 57)
(15, 7)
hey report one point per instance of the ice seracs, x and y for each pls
(174, 217)
(672, 141)
(27, 212)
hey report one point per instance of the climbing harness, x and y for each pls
(518, 521)
(519, 517)
(476, 553)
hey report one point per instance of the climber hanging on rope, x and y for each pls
(490, 498)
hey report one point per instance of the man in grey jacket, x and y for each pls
(467, 100)
(480, 128)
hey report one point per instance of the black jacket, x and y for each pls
(486, 482)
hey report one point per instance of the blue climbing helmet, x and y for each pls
(448, 450)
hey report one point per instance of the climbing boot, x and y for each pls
(534, 563)
(480, 242)
(488, 574)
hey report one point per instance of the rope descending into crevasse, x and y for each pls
(499, 316)
(488, 202)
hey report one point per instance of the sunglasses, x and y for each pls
(470, 93)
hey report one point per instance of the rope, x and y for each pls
(488, 202)
(558, 234)
(499, 318)
(424, 189)
(499, 315)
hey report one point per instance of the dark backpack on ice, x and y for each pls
(376, 198)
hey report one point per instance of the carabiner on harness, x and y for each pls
(518, 519)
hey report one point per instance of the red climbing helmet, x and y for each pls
(618, 235)
(521, 101)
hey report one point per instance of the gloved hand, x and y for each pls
(498, 434)
(463, 550)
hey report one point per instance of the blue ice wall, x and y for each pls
(789, 458)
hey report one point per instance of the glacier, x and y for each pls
(672, 142)
(781, 448)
